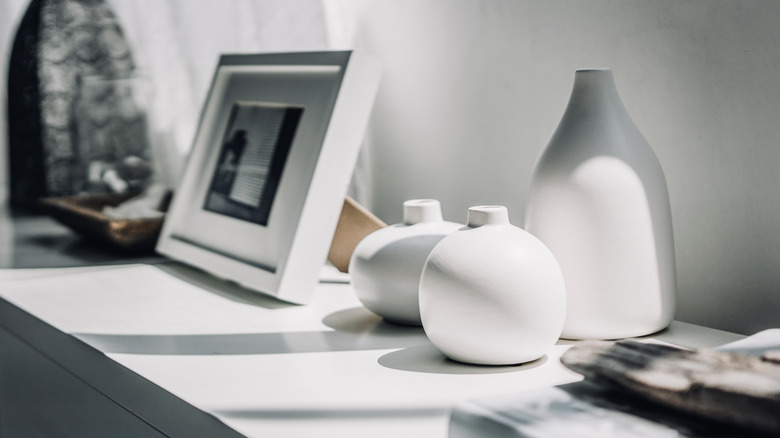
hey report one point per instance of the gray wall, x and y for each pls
(473, 90)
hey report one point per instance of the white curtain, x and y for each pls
(176, 45)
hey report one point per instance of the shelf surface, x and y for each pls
(182, 350)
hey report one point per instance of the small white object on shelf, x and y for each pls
(144, 206)
(491, 293)
(386, 265)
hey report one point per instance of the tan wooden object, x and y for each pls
(354, 224)
(738, 389)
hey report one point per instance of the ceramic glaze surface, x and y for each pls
(599, 201)
(491, 293)
(386, 265)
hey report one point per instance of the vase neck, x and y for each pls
(422, 211)
(594, 87)
(487, 215)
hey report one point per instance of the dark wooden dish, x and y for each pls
(83, 214)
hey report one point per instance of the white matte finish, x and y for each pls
(599, 201)
(386, 265)
(491, 293)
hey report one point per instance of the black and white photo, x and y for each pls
(252, 155)
(269, 169)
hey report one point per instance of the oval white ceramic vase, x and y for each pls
(386, 265)
(491, 293)
(599, 201)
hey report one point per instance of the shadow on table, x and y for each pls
(37, 241)
(422, 357)
(218, 286)
(353, 330)
(428, 359)
(242, 343)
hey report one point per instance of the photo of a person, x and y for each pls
(228, 163)
(255, 146)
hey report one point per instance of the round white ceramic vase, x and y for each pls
(386, 265)
(491, 293)
(599, 201)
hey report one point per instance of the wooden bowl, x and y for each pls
(83, 214)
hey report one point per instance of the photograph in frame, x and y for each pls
(253, 153)
(267, 176)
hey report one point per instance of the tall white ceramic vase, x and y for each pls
(599, 201)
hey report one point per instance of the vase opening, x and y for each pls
(597, 69)
(593, 89)
(593, 76)
(487, 215)
(421, 211)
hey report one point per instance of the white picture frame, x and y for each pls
(246, 210)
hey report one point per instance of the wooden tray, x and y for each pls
(83, 214)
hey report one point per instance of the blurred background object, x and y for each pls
(112, 131)
(58, 44)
